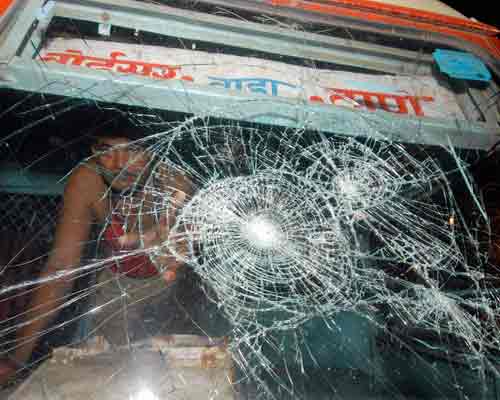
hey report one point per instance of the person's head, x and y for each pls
(119, 158)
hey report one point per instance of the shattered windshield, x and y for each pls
(202, 218)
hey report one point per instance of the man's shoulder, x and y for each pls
(85, 179)
(84, 172)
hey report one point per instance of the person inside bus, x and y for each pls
(100, 192)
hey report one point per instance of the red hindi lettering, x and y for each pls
(400, 103)
(75, 56)
(167, 71)
(104, 63)
(415, 103)
(374, 100)
(316, 99)
(349, 96)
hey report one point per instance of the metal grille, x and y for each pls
(34, 216)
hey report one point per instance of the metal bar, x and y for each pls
(249, 35)
(34, 38)
(31, 75)
(15, 180)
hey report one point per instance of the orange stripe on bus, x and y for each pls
(4, 5)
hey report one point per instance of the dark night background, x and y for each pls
(484, 11)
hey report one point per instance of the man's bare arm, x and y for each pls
(72, 232)
(156, 228)
(182, 189)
